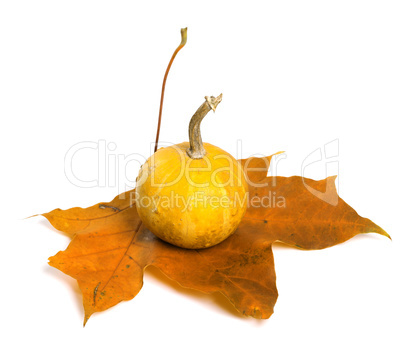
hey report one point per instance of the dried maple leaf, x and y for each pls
(111, 248)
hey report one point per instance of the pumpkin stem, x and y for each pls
(196, 150)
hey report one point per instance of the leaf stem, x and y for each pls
(181, 45)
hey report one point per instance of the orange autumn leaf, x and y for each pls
(111, 248)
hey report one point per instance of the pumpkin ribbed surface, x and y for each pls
(191, 203)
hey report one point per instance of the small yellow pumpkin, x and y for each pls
(190, 194)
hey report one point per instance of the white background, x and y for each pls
(295, 75)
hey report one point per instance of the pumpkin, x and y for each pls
(192, 195)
